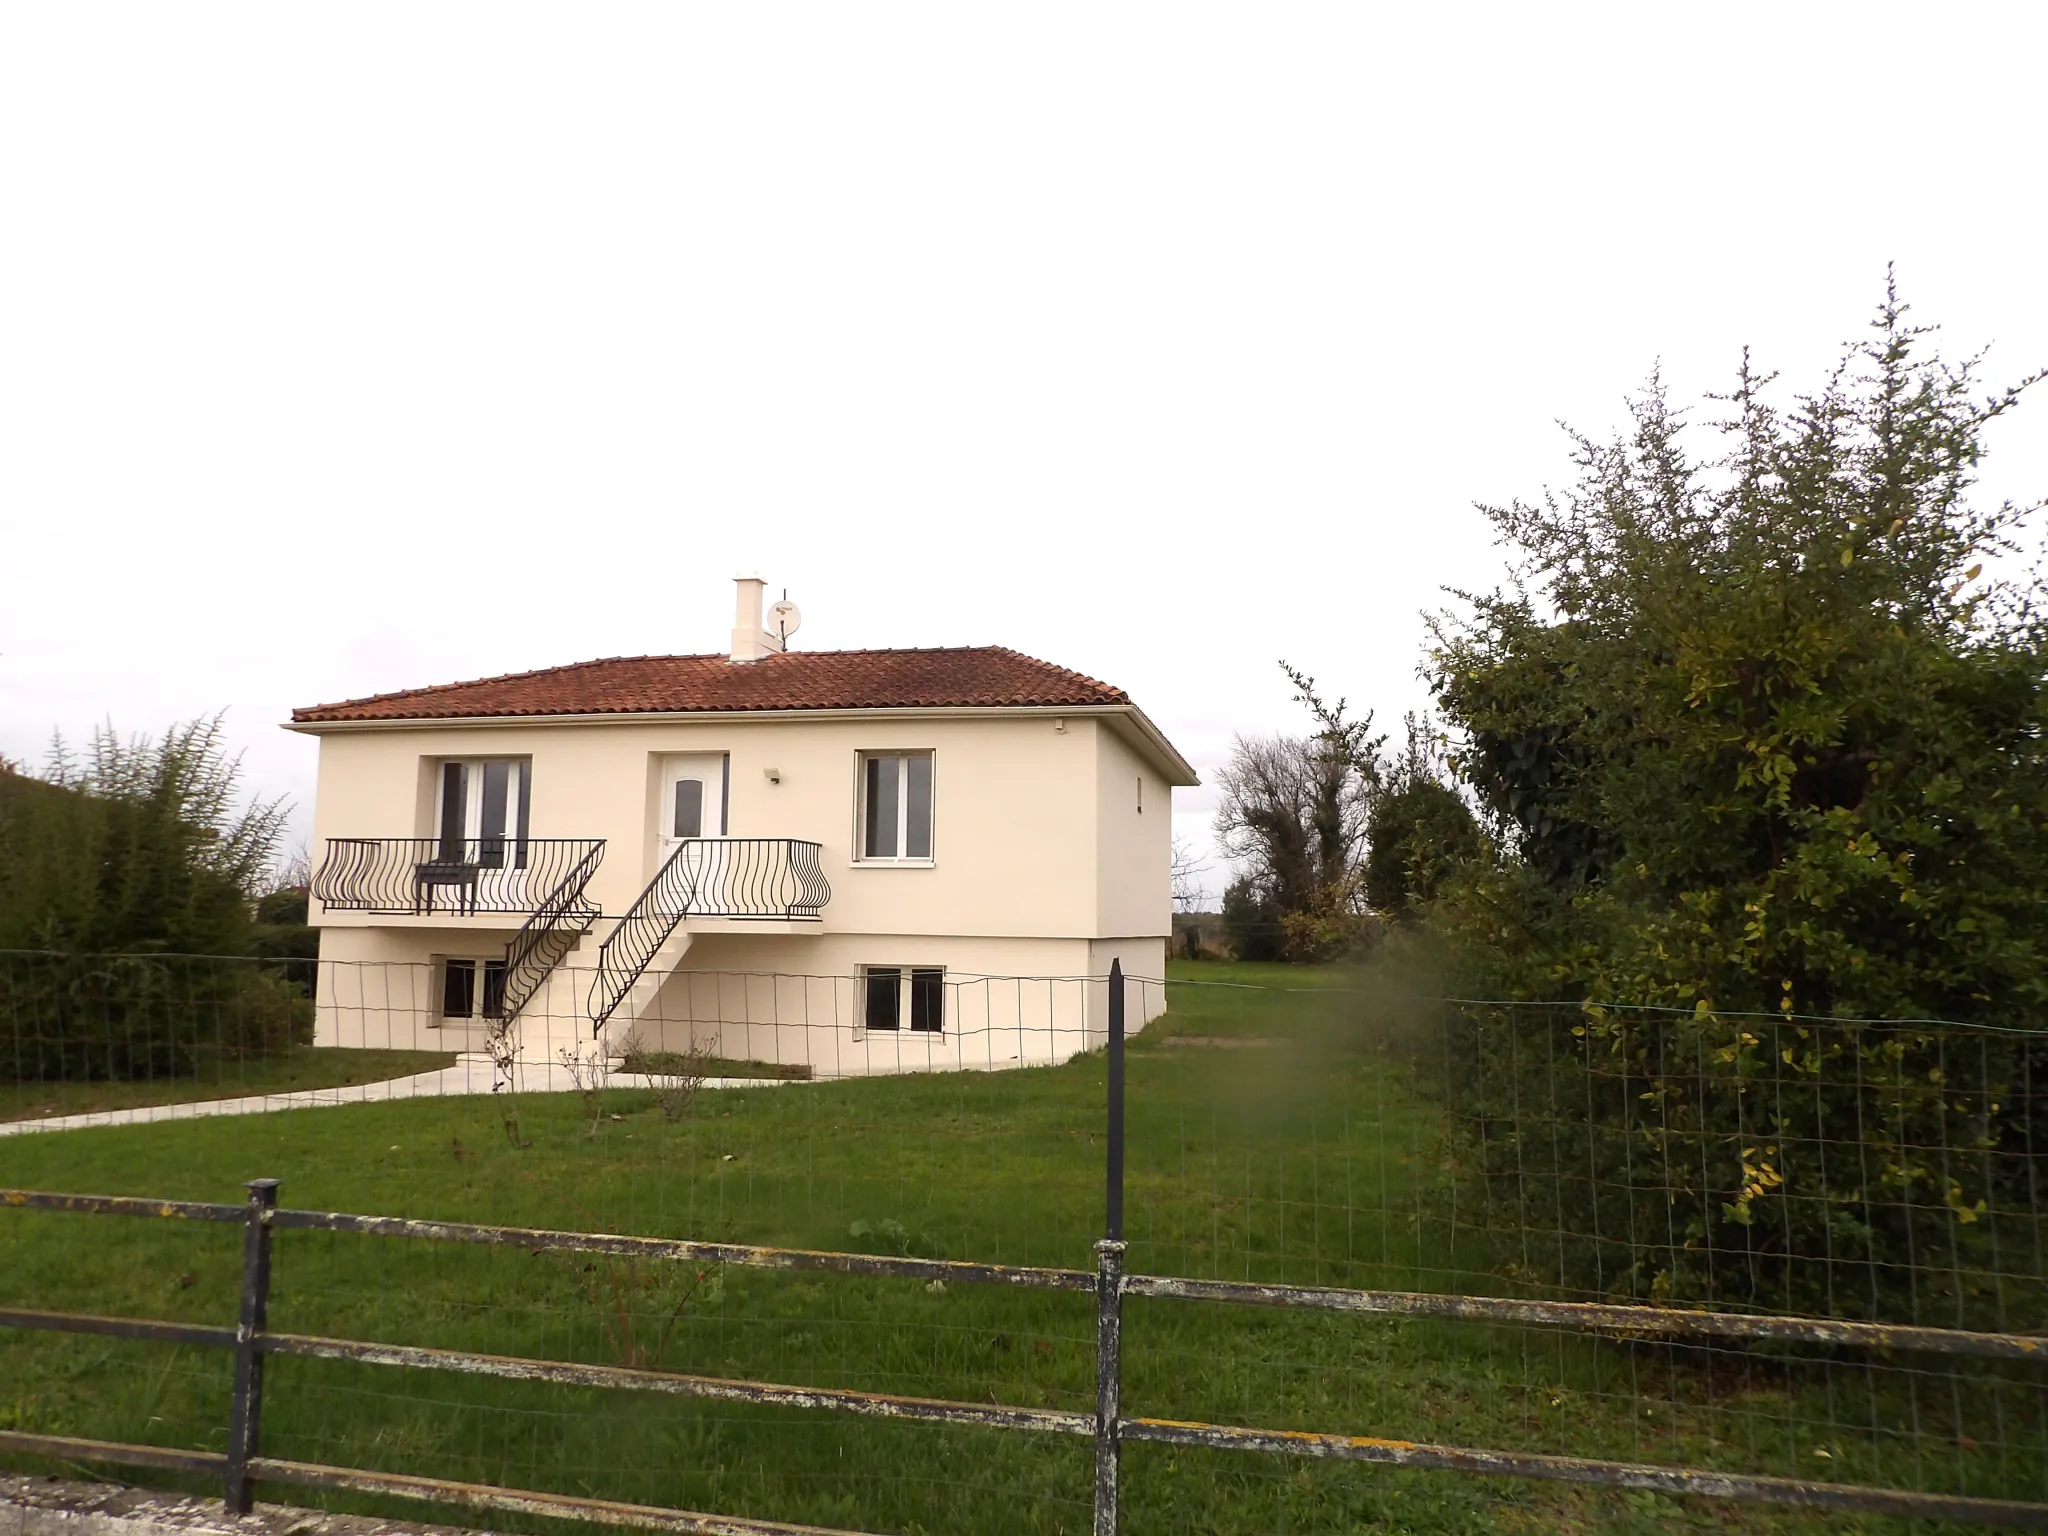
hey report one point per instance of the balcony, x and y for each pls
(419, 876)
(742, 878)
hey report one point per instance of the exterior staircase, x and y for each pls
(546, 939)
(734, 879)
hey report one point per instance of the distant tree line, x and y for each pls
(117, 862)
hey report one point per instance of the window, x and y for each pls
(459, 991)
(483, 809)
(884, 997)
(883, 1005)
(695, 787)
(896, 805)
(928, 1001)
(689, 820)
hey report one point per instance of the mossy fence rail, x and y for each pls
(243, 1465)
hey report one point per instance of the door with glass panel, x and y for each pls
(693, 802)
(480, 818)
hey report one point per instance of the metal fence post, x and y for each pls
(1109, 1279)
(245, 1418)
(1113, 1226)
(1109, 1320)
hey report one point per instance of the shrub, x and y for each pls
(1251, 921)
(77, 1017)
(1763, 746)
(118, 866)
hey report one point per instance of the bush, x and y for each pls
(137, 846)
(1251, 921)
(117, 868)
(1418, 832)
(1767, 748)
(78, 1017)
(1830, 1168)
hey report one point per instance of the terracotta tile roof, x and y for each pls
(988, 676)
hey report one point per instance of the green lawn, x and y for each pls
(220, 1077)
(1314, 1158)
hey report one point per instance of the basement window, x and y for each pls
(472, 987)
(887, 1003)
(896, 807)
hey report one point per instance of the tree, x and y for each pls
(1293, 816)
(1761, 738)
(113, 861)
(135, 845)
(1419, 831)
(1251, 923)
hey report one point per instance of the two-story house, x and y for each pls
(877, 845)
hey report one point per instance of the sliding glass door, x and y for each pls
(481, 819)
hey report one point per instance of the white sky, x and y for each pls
(361, 347)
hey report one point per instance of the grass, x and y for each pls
(220, 1077)
(1317, 1159)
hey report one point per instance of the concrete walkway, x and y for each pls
(471, 1074)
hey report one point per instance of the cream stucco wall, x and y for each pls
(1035, 829)
(1043, 867)
(1009, 1002)
(1133, 844)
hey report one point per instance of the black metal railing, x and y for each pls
(736, 877)
(465, 875)
(546, 938)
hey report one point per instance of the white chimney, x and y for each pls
(750, 640)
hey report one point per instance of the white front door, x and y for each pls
(693, 798)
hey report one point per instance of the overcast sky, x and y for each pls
(361, 347)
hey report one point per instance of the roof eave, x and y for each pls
(1141, 732)
(1150, 740)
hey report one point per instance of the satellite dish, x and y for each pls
(784, 620)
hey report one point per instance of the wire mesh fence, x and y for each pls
(1284, 1128)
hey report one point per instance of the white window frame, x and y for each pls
(899, 860)
(518, 803)
(906, 989)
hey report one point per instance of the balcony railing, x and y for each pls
(415, 876)
(768, 877)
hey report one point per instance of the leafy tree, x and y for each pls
(1251, 921)
(130, 850)
(282, 934)
(134, 846)
(1419, 830)
(1761, 737)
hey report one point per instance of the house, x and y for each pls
(859, 860)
